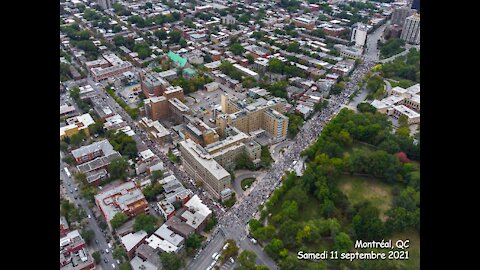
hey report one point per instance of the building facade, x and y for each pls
(411, 29)
(399, 15)
(201, 165)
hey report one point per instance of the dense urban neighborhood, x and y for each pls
(239, 134)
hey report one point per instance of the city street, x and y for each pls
(92, 223)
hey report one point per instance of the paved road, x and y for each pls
(205, 258)
(92, 223)
(276, 148)
(371, 53)
(243, 174)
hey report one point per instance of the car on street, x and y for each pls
(96, 241)
(105, 260)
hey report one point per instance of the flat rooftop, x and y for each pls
(204, 158)
(103, 145)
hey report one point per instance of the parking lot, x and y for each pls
(130, 94)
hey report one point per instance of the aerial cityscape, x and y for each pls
(239, 134)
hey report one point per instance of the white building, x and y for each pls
(411, 29)
(359, 34)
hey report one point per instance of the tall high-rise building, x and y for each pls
(411, 29)
(359, 34)
(106, 4)
(399, 15)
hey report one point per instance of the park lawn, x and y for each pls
(247, 182)
(359, 189)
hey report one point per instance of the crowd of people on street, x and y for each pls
(261, 189)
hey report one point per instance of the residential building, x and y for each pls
(116, 67)
(166, 234)
(200, 133)
(152, 84)
(359, 34)
(156, 130)
(226, 151)
(67, 109)
(132, 241)
(412, 116)
(74, 254)
(246, 71)
(106, 4)
(351, 52)
(93, 151)
(77, 124)
(275, 123)
(202, 167)
(249, 117)
(126, 198)
(180, 227)
(229, 19)
(411, 29)
(400, 15)
(209, 87)
(138, 264)
(146, 259)
(168, 74)
(304, 22)
(197, 214)
(167, 106)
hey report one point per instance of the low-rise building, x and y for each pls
(132, 241)
(77, 124)
(125, 198)
(74, 254)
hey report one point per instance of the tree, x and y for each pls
(63, 146)
(96, 257)
(118, 220)
(250, 59)
(274, 248)
(231, 250)
(275, 65)
(77, 139)
(170, 261)
(343, 243)
(194, 241)
(118, 168)
(87, 235)
(155, 175)
(144, 222)
(125, 266)
(366, 107)
(174, 36)
(119, 253)
(237, 49)
(247, 259)
(160, 34)
(243, 162)
(403, 121)
(367, 224)
(211, 223)
(265, 157)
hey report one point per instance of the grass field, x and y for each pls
(247, 182)
(358, 189)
